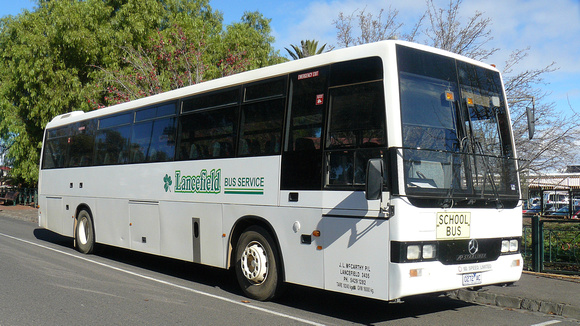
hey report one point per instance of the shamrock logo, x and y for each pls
(168, 182)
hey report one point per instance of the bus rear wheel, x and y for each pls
(257, 264)
(85, 233)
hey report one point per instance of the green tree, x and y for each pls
(307, 48)
(162, 65)
(59, 58)
(45, 56)
(252, 36)
(176, 57)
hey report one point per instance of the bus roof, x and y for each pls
(360, 51)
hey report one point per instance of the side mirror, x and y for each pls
(374, 179)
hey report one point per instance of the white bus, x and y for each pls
(383, 170)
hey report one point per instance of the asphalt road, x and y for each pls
(43, 281)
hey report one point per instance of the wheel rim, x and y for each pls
(254, 263)
(83, 231)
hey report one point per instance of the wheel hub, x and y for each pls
(254, 263)
(83, 232)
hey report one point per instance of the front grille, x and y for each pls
(457, 251)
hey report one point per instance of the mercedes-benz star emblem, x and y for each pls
(473, 246)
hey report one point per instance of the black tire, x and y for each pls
(85, 233)
(257, 264)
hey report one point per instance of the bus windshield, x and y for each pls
(457, 148)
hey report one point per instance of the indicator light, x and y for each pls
(416, 272)
(449, 96)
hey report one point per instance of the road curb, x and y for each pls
(481, 296)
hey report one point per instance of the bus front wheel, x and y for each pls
(257, 264)
(85, 233)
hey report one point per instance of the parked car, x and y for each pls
(534, 201)
(534, 210)
(549, 209)
(564, 211)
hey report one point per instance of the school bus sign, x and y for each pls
(453, 225)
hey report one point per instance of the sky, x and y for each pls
(551, 30)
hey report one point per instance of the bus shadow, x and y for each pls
(364, 310)
(52, 237)
(331, 304)
(206, 275)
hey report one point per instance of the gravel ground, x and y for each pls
(20, 212)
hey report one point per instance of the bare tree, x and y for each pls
(371, 29)
(448, 33)
(550, 149)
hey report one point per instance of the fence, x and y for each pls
(24, 196)
(552, 246)
(547, 245)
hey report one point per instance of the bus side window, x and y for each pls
(55, 148)
(356, 132)
(112, 140)
(302, 152)
(208, 133)
(140, 141)
(81, 143)
(162, 147)
(261, 128)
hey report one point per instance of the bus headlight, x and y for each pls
(514, 245)
(413, 252)
(402, 252)
(510, 246)
(505, 246)
(429, 251)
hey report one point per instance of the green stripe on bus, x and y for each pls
(244, 191)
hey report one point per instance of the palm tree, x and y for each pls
(307, 48)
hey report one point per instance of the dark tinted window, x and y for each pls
(56, 148)
(212, 100)
(261, 128)
(357, 116)
(58, 132)
(356, 71)
(302, 156)
(153, 141)
(162, 145)
(112, 145)
(356, 124)
(140, 141)
(81, 144)
(70, 146)
(425, 64)
(208, 134)
(355, 133)
(267, 89)
(117, 120)
(155, 112)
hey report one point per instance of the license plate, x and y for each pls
(472, 279)
(455, 225)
